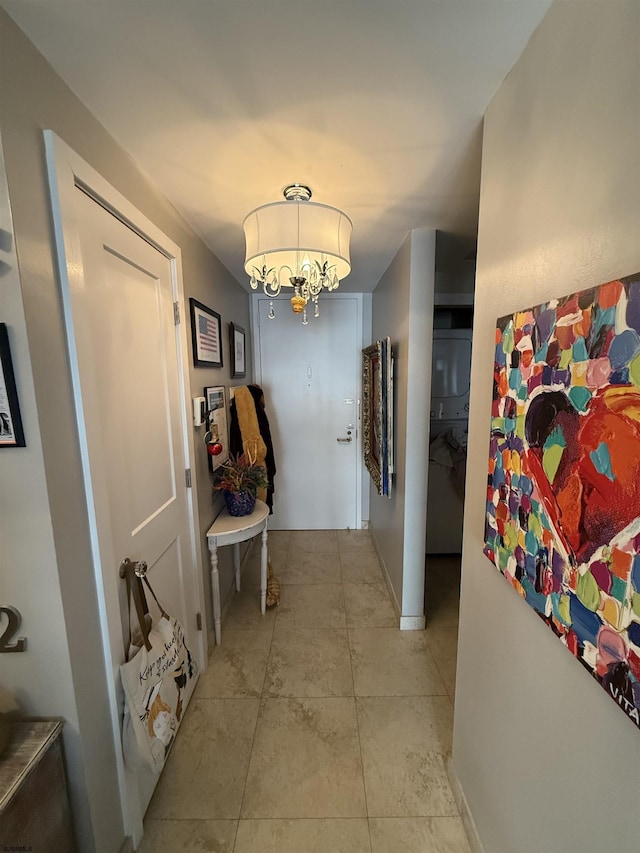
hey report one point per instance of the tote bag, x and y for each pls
(158, 681)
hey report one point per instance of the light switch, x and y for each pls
(199, 410)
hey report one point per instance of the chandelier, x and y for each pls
(297, 243)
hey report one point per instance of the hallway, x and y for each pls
(320, 728)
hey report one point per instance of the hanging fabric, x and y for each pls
(249, 433)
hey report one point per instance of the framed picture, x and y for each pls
(237, 342)
(11, 433)
(389, 407)
(206, 334)
(217, 436)
(372, 434)
(377, 413)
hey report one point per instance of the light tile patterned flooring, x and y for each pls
(320, 727)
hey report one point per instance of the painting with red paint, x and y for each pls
(563, 494)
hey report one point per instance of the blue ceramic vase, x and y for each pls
(240, 503)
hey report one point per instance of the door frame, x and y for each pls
(360, 334)
(68, 173)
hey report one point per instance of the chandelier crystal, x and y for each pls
(299, 244)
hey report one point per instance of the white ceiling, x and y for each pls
(376, 104)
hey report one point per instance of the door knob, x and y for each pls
(139, 567)
(344, 440)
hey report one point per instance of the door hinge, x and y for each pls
(187, 477)
(199, 621)
(176, 313)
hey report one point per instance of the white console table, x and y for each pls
(232, 530)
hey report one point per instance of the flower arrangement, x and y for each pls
(240, 474)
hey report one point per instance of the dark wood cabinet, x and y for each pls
(34, 808)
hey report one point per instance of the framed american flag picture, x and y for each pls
(206, 333)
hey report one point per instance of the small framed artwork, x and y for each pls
(217, 436)
(238, 353)
(11, 433)
(206, 334)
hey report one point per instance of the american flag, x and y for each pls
(208, 334)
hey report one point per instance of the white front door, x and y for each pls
(310, 376)
(119, 303)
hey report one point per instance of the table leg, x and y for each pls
(215, 589)
(236, 563)
(263, 572)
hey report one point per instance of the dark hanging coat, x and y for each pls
(235, 437)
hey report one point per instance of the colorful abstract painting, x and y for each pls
(563, 496)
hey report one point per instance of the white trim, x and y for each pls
(412, 623)
(463, 807)
(419, 350)
(67, 171)
(61, 184)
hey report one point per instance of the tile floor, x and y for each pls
(320, 727)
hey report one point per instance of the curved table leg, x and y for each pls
(236, 562)
(215, 589)
(263, 572)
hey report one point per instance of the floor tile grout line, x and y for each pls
(437, 668)
(263, 698)
(447, 691)
(255, 730)
(398, 696)
(355, 708)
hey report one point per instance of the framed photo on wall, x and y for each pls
(238, 350)
(206, 335)
(11, 432)
(217, 436)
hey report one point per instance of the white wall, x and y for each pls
(546, 760)
(30, 682)
(403, 310)
(45, 558)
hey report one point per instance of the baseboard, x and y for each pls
(385, 574)
(405, 623)
(463, 807)
(413, 623)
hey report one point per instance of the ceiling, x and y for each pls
(375, 104)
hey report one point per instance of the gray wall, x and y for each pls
(403, 310)
(545, 759)
(45, 561)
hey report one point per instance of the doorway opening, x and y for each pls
(448, 432)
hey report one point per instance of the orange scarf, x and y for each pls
(253, 446)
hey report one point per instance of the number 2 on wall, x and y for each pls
(9, 633)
